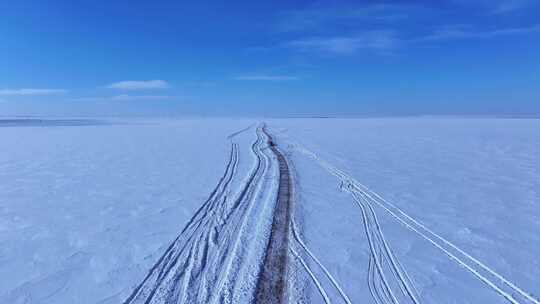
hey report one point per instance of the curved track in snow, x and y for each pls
(238, 245)
(365, 198)
(235, 247)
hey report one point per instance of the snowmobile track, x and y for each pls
(364, 196)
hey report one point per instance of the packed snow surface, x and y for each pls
(417, 210)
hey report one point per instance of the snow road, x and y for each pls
(218, 257)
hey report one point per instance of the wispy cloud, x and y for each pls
(387, 41)
(323, 17)
(139, 85)
(380, 41)
(265, 78)
(28, 92)
(495, 7)
(126, 97)
(507, 6)
(467, 32)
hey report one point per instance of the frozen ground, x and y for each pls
(87, 209)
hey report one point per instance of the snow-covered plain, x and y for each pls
(474, 182)
(87, 209)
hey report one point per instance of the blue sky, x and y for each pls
(278, 58)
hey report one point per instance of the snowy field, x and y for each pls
(385, 210)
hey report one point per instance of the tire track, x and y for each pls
(507, 289)
(406, 286)
(376, 258)
(388, 282)
(149, 284)
(229, 260)
(313, 277)
(211, 259)
(333, 280)
(232, 135)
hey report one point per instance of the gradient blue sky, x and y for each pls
(253, 58)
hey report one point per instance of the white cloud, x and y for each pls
(139, 85)
(372, 40)
(265, 78)
(125, 97)
(25, 92)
